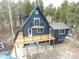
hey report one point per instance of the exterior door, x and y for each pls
(30, 32)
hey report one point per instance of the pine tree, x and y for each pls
(27, 7)
(39, 3)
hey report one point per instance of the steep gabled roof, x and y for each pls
(25, 18)
(59, 25)
(16, 35)
(30, 16)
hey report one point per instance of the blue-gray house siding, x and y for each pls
(30, 24)
(55, 31)
(59, 37)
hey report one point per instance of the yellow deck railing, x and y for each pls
(37, 38)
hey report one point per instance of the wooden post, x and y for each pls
(49, 42)
(53, 43)
(27, 49)
(37, 43)
(46, 46)
(15, 51)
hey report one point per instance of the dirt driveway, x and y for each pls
(60, 51)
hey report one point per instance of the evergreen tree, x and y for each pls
(27, 7)
(64, 9)
(39, 3)
(58, 14)
(50, 10)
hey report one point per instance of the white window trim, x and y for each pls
(61, 33)
(36, 19)
(40, 28)
(28, 31)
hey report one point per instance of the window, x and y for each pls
(61, 32)
(40, 30)
(30, 32)
(36, 12)
(36, 21)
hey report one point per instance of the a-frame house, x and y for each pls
(34, 29)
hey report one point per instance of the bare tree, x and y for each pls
(2, 16)
(10, 15)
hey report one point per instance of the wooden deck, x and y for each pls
(34, 39)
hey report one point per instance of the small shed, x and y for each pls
(59, 30)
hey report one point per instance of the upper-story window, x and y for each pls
(40, 30)
(36, 12)
(61, 32)
(36, 21)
